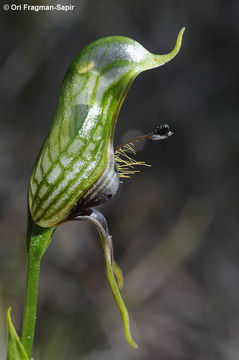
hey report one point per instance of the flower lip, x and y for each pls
(112, 269)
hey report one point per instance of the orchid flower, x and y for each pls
(78, 168)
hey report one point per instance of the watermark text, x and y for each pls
(36, 8)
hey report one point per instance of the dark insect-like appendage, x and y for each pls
(161, 132)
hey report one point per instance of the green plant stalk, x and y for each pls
(38, 239)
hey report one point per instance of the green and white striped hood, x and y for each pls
(78, 150)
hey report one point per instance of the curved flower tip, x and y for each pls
(158, 60)
(176, 49)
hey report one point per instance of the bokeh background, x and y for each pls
(174, 226)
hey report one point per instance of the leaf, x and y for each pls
(15, 350)
(77, 156)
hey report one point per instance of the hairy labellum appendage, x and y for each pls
(125, 163)
(76, 166)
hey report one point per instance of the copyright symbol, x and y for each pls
(6, 7)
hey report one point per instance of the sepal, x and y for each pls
(98, 220)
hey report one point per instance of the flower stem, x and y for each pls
(38, 239)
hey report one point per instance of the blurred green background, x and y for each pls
(174, 226)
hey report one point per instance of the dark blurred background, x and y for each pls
(174, 226)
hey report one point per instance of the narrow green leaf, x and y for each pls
(15, 350)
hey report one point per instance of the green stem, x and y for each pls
(38, 239)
